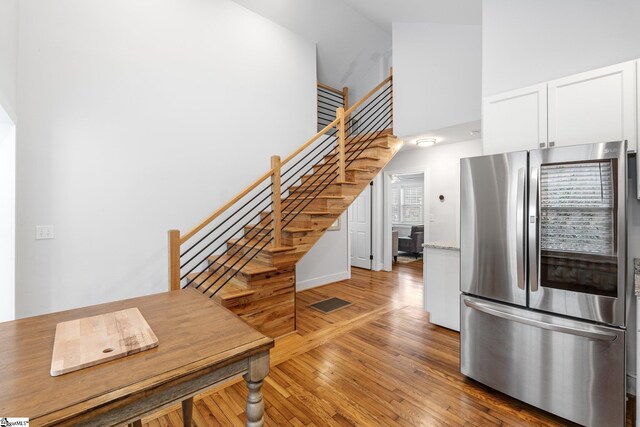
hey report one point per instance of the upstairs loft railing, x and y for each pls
(329, 100)
(211, 254)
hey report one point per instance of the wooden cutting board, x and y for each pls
(93, 340)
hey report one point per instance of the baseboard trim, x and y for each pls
(322, 280)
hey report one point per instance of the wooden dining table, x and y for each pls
(201, 345)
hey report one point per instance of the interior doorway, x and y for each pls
(360, 230)
(405, 216)
(7, 216)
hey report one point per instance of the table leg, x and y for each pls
(187, 412)
(258, 370)
(137, 423)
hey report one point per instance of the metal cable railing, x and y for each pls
(374, 125)
(226, 242)
(329, 99)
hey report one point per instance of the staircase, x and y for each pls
(244, 255)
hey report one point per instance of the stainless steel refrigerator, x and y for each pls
(543, 278)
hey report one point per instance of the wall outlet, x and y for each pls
(432, 218)
(44, 232)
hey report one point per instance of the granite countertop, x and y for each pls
(636, 266)
(443, 244)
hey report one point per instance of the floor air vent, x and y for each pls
(329, 305)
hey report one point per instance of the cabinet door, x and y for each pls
(515, 120)
(596, 106)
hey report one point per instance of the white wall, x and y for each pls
(526, 42)
(443, 165)
(8, 55)
(436, 76)
(135, 118)
(352, 51)
(7, 216)
(327, 261)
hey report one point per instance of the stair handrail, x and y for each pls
(369, 95)
(274, 174)
(328, 100)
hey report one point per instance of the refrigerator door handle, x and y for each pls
(493, 311)
(520, 228)
(534, 253)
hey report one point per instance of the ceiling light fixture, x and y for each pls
(425, 142)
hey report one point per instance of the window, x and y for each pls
(407, 203)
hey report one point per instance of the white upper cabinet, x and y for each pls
(595, 106)
(515, 120)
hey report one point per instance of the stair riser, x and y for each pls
(266, 290)
(278, 259)
(371, 151)
(247, 279)
(375, 136)
(316, 221)
(330, 190)
(330, 205)
(285, 234)
(368, 163)
(240, 277)
(309, 179)
(356, 163)
(383, 143)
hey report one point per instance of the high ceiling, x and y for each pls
(384, 12)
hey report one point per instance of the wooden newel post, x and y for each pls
(345, 98)
(174, 260)
(276, 201)
(341, 138)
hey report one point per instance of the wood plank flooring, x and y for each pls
(378, 362)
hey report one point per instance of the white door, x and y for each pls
(596, 106)
(360, 230)
(515, 120)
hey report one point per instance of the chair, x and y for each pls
(394, 245)
(412, 243)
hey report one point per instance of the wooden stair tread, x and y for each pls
(297, 229)
(307, 196)
(288, 229)
(308, 212)
(366, 157)
(371, 135)
(250, 268)
(318, 185)
(269, 248)
(230, 292)
(232, 289)
(354, 146)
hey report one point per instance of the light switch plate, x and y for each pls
(44, 232)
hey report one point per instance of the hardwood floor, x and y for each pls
(376, 362)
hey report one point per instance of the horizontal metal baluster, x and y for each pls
(225, 231)
(381, 104)
(369, 104)
(242, 266)
(234, 264)
(268, 187)
(260, 210)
